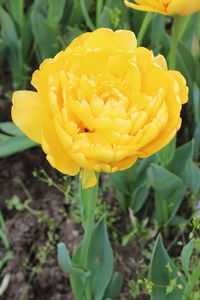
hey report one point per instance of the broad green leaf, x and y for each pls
(17, 11)
(186, 63)
(167, 154)
(114, 287)
(157, 31)
(100, 260)
(182, 155)
(169, 192)
(10, 128)
(15, 144)
(26, 37)
(73, 13)
(65, 263)
(160, 274)
(139, 196)
(186, 255)
(189, 29)
(8, 29)
(192, 176)
(3, 138)
(45, 38)
(2, 49)
(56, 9)
(14, 48)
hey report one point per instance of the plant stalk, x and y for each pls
(147, 19)
(174, 42)
(88, 199)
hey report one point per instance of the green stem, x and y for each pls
(88, 198)
(86, 16)
(98, 12)
(174, 41)
(147, 19)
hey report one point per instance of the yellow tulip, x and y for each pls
(166, 7)
(100, 104)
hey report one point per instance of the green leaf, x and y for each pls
(4, 239)
(14, 47)
(15, 144)
(65, 263)
(10, 128)
(139, 196)
(3, 138)
(114, 287)
(17, 11)
(160, 274)
(8, 29)
(169, 192)
(167, 154)
(193, 280)
(182, 155)
(100, 260)
(186, 63)
(196, 103)
(186, 255)
(45, 38)
(192, 176)
(9, 255)
(56, 9)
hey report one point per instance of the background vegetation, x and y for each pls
(158, 196)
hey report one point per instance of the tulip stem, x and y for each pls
(88, 200)
(147, 19)
(176, 29)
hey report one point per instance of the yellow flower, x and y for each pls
(100, 104)
(166, 7)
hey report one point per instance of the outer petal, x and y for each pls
(183, 89)
(105, 38)
(183, 7)
(57, 156)
(28, 113)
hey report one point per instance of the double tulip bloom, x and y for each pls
(166, 7)
(101, 104)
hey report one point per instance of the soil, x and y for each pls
(34, 271)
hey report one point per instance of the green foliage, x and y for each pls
(100, 261)
(12, 140)
(166, 282)
(169, 192)
(5, 242)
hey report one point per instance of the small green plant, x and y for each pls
(5, 242)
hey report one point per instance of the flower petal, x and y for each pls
(28, 113)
